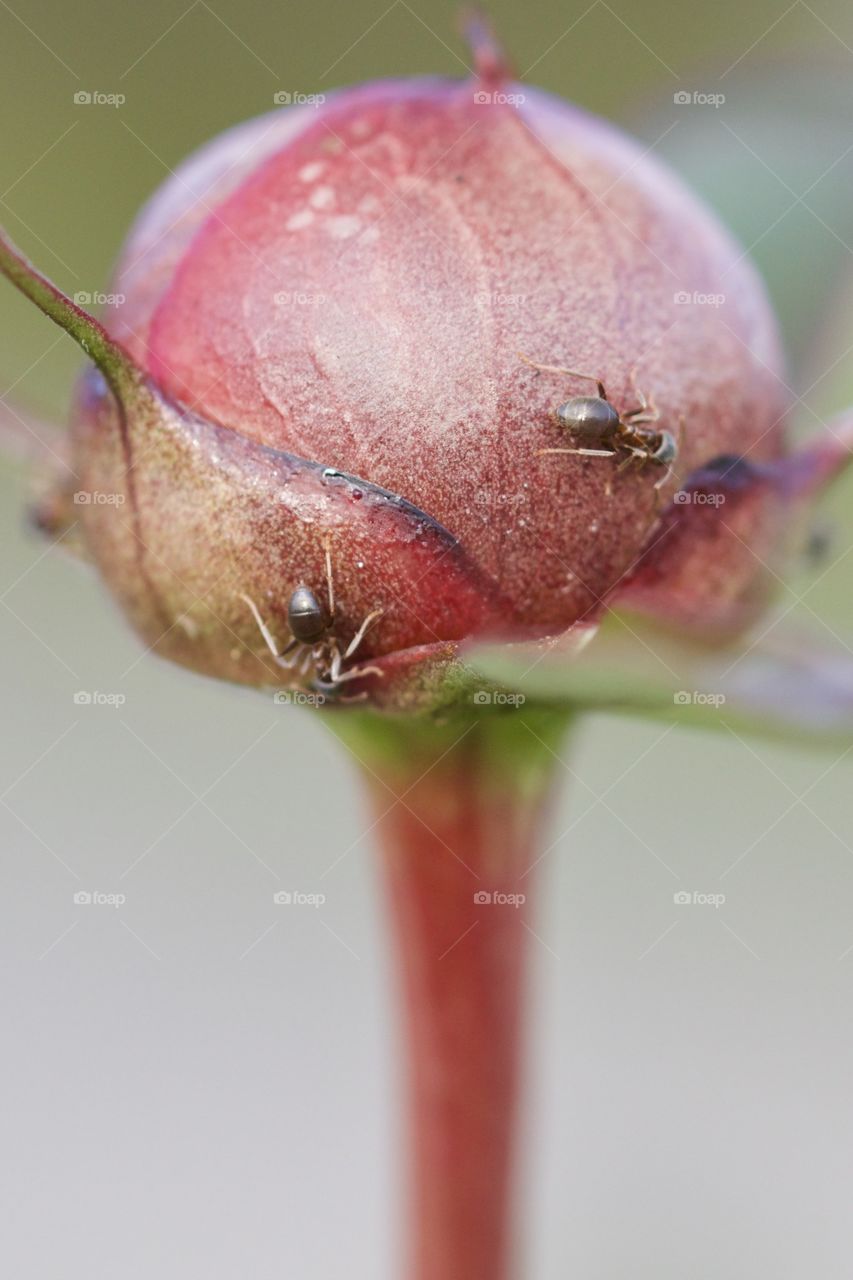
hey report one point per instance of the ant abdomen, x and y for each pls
(306, 616)
(590, 419)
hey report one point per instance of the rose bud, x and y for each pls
(430, 380)
(318, 370)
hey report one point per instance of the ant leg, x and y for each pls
(571, 373)
(329, 577)
(635, 452)
(332, 676)
(331, 680)
(632, 378)
(326, 681)
(362, 632)
(297, 652)
(356, 673)
(660, 484)
(262, 626)
(585, 453)
(309, 659)
(646, 411)
(281, 655)
(284, 660)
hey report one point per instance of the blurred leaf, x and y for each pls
(787, 688)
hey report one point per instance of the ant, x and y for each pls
(604, 432)
(312, 643)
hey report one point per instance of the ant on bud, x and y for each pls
(313, 644)
(603, 432)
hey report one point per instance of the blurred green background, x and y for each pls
(196, 1085)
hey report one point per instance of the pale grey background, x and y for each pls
(199, 1083)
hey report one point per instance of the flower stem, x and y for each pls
(459, 810)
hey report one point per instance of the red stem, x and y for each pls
(465, 823)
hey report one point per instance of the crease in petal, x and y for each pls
(714, 561)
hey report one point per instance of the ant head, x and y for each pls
(667, 450)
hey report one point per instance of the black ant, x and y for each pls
(604, 432)
(313, 644)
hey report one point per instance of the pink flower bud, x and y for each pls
(342, 366)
